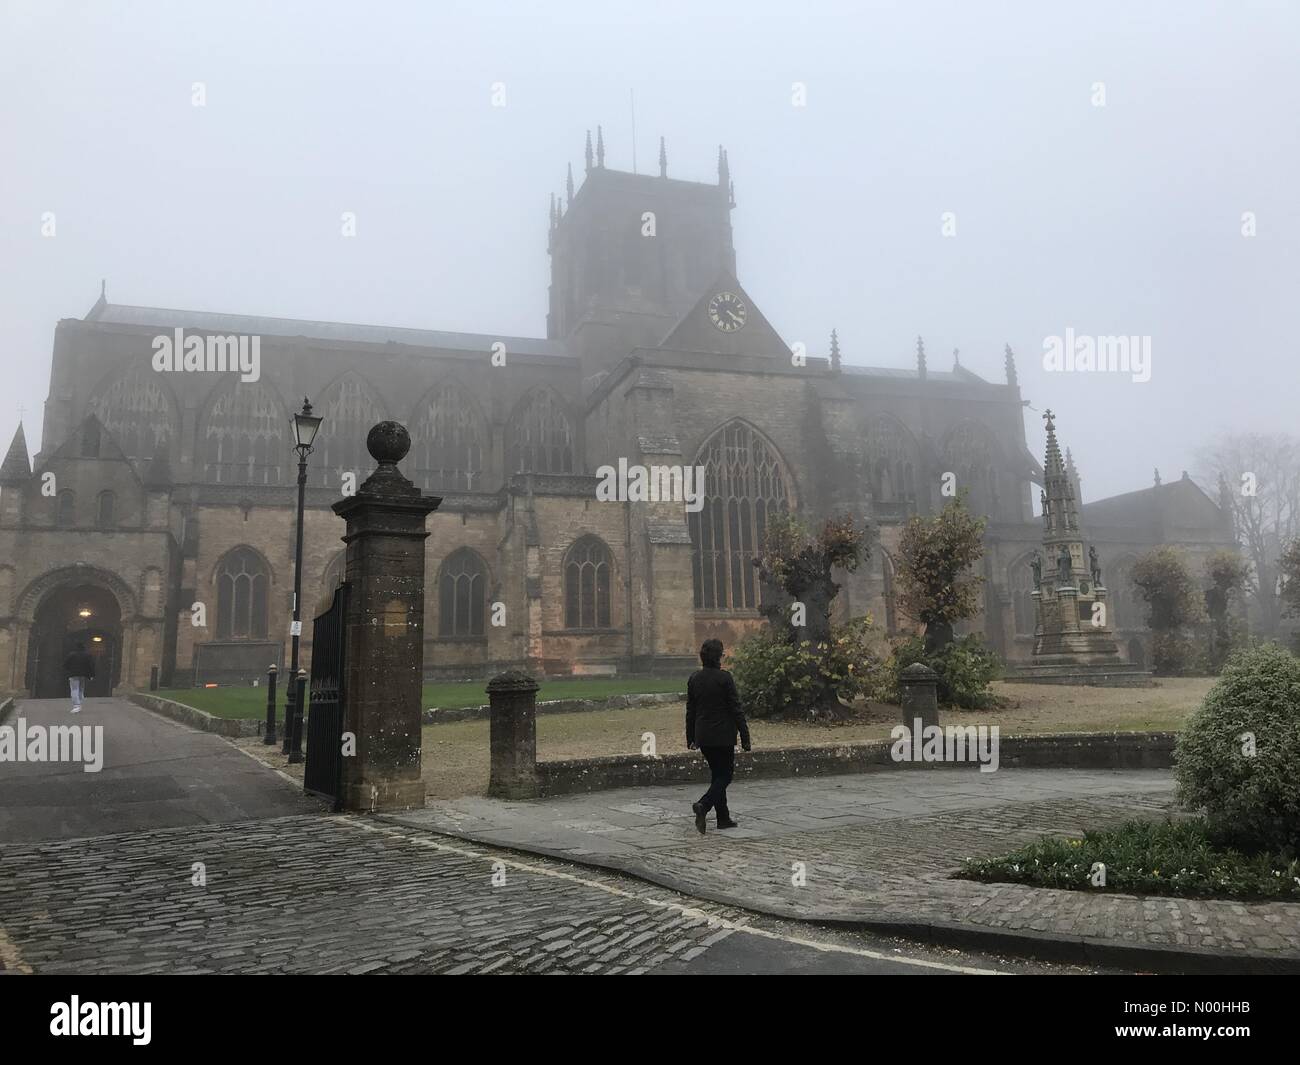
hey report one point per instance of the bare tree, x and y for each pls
(1257, 478)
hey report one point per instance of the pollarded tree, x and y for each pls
(1227, 573)
(1174, 604)
(937, 583)
(803, 664)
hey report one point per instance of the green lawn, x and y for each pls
(251, 702)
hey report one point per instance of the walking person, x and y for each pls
(79, 667)
(713, 718)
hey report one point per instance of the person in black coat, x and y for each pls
(79, 667)
(713, 718)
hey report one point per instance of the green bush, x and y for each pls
(1146, 857)
(1238, 756)
(775, 678)
(966, 667)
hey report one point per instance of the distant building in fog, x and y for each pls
(176, 488)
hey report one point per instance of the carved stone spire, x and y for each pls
(1060, 515)
(600, 148)
(1012, 379)
(724, 170)
(568, 187)
(588, 151)
(956, 360)
(920, 358)
(663, 159)
(835, 352)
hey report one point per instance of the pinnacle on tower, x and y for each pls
(835, 352)
(568, 187)
(600, 148)
(16, 467)
(956, 360)
(663, 159)
(588, 151)
(1157, 477)
(920, 358)
(1012, 379)
(724, 170)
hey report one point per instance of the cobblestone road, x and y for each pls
(327, 894)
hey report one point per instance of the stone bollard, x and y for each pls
(920, 696)
(513, 699)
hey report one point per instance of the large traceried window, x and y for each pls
(462, 594)
(890, 457)
(243, 593)
(350, 410)
(447, 443)
(744, 484)
(136, 411)
(587, 569)
(541, 437)
(970, 453)
(247, 437)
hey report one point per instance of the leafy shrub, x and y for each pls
(966, 667)
(1252, 799)
(1146, 857)
(778, 678)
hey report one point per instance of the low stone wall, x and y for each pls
(439, 715)
(1117, 750)
(199, 719)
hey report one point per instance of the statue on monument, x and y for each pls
(1063, 565)
(1094, 564)
(1036, 565)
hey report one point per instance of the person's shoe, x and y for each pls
(728, 823)
(76, 709)
(700, 813)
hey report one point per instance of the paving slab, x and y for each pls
(879, 850)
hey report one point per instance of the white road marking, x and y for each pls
(684, 910)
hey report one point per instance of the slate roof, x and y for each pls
(163, 317)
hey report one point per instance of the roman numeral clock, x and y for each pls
(727, 311)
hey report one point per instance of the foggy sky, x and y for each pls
(1123, 219)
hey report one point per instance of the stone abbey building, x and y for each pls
(157, 522)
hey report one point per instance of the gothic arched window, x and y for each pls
(462, 594)
(541, 439)
(246, 437)
(891, 458)
(744, 483)
(970, 454)
(67, 508)
(136, 411)
(587, 568)
(104, 509)
(243, 595)
(447, 443)
(349, 410)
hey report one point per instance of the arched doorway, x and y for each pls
(67, 616)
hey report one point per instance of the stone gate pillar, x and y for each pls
(384, 629)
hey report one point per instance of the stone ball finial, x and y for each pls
(388, 442)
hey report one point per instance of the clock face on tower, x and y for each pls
(727, 311)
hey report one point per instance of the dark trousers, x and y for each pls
(722, 763)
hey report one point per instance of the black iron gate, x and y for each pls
(323, 771)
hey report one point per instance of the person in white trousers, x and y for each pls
(79, 667)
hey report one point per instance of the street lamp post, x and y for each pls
(305, 426)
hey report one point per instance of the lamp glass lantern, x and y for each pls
(305, 425)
